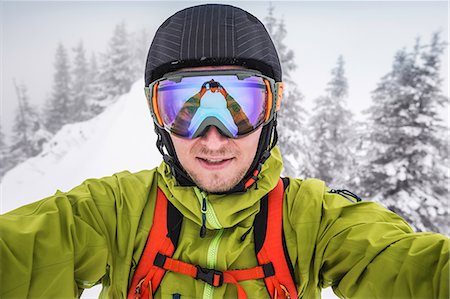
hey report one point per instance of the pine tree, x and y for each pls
(79, 87)
(330, 133)
(291, 115)
(270, 22)
(117, 73)
(2, 138)
(97, 100)
(58, 108)
(405, 170)
(3, 153)
(139, 48)
(29, 134)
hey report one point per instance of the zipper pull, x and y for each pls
(203, 228)
(245, 234)
(201, 195)
(346, 193)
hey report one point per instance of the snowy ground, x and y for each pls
(121, 138)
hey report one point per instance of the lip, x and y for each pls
(214, 166)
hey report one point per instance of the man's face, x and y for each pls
(214, 162)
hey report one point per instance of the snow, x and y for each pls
(121, 138)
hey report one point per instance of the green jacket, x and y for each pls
(96, 232)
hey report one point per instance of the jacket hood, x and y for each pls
(228, 210)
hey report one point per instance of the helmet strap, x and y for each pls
(171, 159)
(267, 142)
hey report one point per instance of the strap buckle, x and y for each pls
(210, 276)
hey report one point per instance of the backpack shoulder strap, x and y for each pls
(163, 237)
(270, 243)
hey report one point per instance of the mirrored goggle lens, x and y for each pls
(236, 106)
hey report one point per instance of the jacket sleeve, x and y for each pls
(60, 245)
(366, 251)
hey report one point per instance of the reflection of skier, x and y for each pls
(187, 112)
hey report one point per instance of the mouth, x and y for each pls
(214, 163)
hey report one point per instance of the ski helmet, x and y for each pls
(213, 35)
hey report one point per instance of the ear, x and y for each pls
(280, 88)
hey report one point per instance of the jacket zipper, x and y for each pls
(211, 259)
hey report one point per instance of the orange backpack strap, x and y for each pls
(163, 238)
(213, 277)
(270, 244)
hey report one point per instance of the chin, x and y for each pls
(216, 184)
(216, 188)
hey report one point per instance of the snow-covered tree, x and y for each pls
(2, 137)
(330, 132)
(140, 42)
(291, 125)
(79, 87)
(405, 167)
(117, 72)
(58, 108)
(29, 133)
(97, 99)
(3, 153)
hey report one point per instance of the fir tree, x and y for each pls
(3, 153)
(2, 138)
(270, 22)
(405, 170)
(29, 134)
(79, 85)
(139, 48)
(58, 108)
(97, 92)
(330, 133)
(117, 73)
(290, 123)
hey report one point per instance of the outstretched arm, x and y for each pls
(239, 117)
(56, 247)
(187, 112)
(364, 250)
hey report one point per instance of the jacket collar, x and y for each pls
(229, 209)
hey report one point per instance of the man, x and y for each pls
(192, 227)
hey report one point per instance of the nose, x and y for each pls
(213, 139)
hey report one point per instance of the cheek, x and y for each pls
(182, 146)
(249, 146)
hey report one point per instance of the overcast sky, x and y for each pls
(366, 33)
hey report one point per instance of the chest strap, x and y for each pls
(214, 277)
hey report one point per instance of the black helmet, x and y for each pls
(213, 35)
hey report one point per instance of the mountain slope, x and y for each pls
(120, 138)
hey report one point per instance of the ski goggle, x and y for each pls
(237, 102)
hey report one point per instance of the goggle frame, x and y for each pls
(274, 92)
